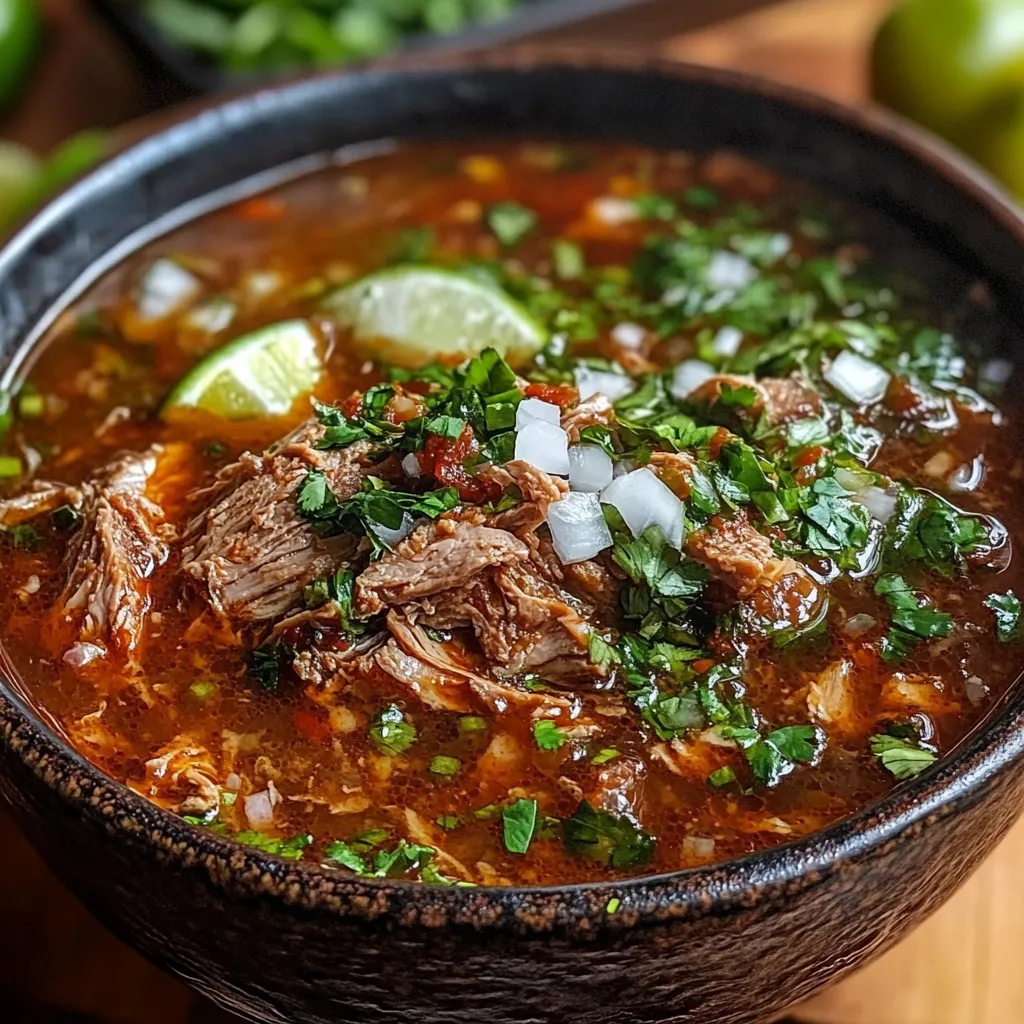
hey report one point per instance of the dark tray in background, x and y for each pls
(172, 73)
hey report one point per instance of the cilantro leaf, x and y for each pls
(549, 736)
(390, 732)
(913, 619)
(606, 838)
(268, 662)
(511, 222)
(518, 824)
(1007, 612)
(902, 757)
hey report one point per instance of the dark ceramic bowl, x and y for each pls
(281, 941)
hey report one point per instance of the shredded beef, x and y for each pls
(436, 557)
(249, 548)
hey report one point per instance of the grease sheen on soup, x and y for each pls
(345, 634)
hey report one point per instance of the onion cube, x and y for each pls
(688, 376)
(859, 379)
(533, 410)
(590, 468)
(545, 447)
(643, 501)
(578, 529)
(600, 382)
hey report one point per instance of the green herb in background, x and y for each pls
(267, 36)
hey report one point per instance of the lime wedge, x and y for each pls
(412, 315)
(259, 374)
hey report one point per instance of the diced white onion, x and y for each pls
(590, 468)
(258, 284)
(853, 479)
(859, 624)
(976, 690)
(211, 317)
(165, 288)
(600, 382)
(629, 335)
(861, 380)
(643, 500)
(727, 341)
(533, 410)
(995, 371)
(614, 210)
(411, 466)
(881, 504)
(699, 847)
(259, 809)
(729, 271)
(544, 446)
(688, 376)
(233, 782)
(392, 537)
(675, 295)
(578, 529)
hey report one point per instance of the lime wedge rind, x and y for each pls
(262, 373)
(411, 315)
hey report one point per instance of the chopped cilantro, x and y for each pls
(390, 732)
(604, 756)
(445, 766)
(66, 517)
(904, 756)
(511, 222)
(1007, 612)
(549, 736)
(412, 245)
(722, 777)
(608, 839)
(568, 259)
(448, 821)
(913, 619)
(519, 822)
(23, 536)
(472, 723)
(268, 662)
(338, 591)
(290, 848)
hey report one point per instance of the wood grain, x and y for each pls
(57, 966)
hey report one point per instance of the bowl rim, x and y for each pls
(958, 780)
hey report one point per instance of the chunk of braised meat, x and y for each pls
(120, 542)
(596, 411)
(249, 549)
(436, 557)
(182, 777)
(537, 489)
(779, 399)
(736, 553)
(435, 669)
(41, 497)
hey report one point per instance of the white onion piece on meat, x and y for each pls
(729, 271)
(578, 529)
(601, 382)
(629, 335)
(533, 410)
(879, 503)
(643, 500)
(861, 380)
(545, 447)
(259, 809)
(392, 537)
(411, 466)
(165, 288)
(590, 468)
(727, 341)
(688, 376)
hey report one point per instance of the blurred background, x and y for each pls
(75, 75)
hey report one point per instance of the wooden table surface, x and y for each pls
(57, 966)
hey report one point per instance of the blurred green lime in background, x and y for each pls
(26, 180)
(957, 67)
(276, 35)
(19, 40)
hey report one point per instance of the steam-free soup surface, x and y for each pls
(726, 559)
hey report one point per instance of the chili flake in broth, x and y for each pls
(725, 560)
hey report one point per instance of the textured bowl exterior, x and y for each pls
(291, 942)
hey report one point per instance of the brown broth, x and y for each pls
(333, 226)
